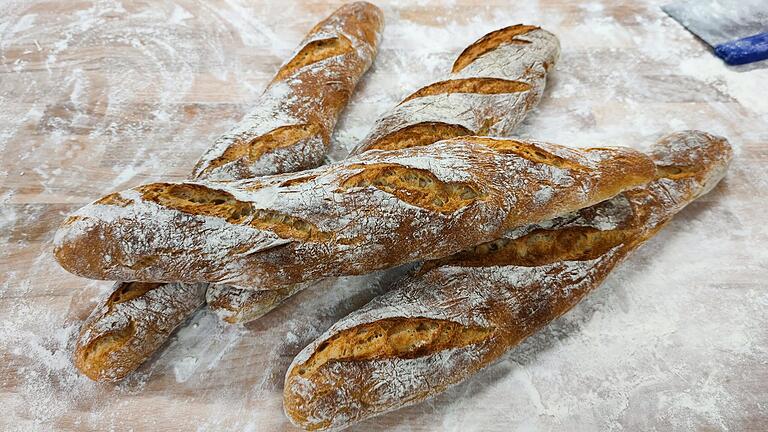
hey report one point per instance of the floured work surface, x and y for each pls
(101, 96)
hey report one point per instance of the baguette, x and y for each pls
(290, 128)
(374, 211)
(454, 316)
(127, 327)
(135, 319)
(494, 83)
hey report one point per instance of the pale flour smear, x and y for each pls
(114, 93)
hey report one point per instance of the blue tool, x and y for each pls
(736, 29)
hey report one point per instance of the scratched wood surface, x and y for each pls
(97, 96)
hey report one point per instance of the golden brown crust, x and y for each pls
(196, 199)
(537, 248)
(313, 52)
(507, 289)
(281, 137)
(393, 338)
(417, 187)
(532, 153)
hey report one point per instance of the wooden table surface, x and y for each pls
(97, 96)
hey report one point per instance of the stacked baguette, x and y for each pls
(288, 130)
(511, 233)
(526, 55)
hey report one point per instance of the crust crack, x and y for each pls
(417, 187)
(298, 180)
(676, 172)
(490, 42)
(394, 338)
(313, 52)
(538, 248)
(201, 200)
(419, 134)
(288, 226)
(114, 199)
(471, 85)
(284, 136)
(528, 151)
(129, 291)
(197, 199)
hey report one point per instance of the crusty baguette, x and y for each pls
(290, 127)
(377, 210)
(456, 315)
(135, 319)
(493, 84)
(129, 325)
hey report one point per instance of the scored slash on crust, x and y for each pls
(491, 41)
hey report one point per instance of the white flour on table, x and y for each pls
(117, 93)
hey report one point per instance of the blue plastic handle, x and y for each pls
(743, 51)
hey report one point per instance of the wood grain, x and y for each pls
(101, 96)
